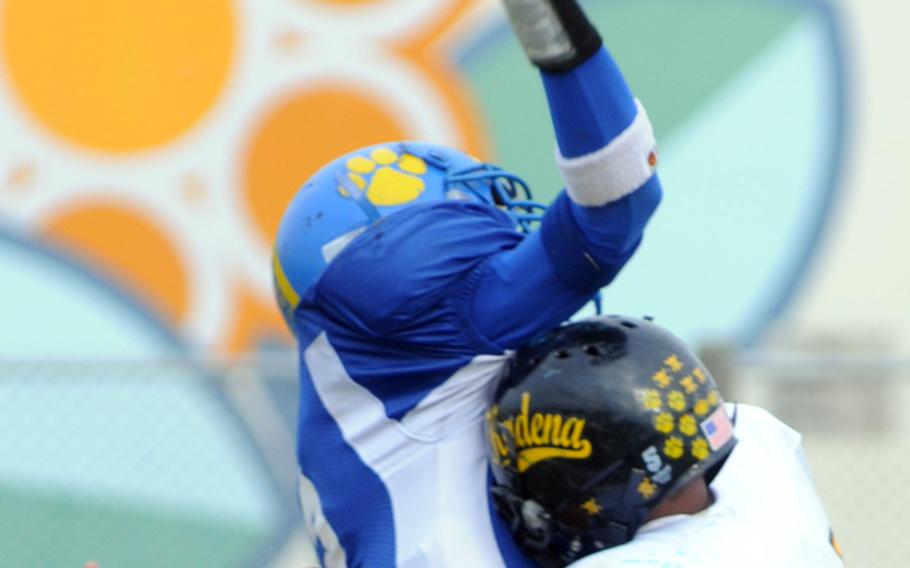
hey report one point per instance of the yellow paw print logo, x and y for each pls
(700, 449)
(673, 448)
(591, 507)
(664, 423)
(713, 398)
(687, 425)
(674, 363)
(647, 488)
(650, 400)
(689, 384)
(676, 401)
(662, 379)
(387, 179)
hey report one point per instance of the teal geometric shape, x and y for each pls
(47, 529)
(114, 443)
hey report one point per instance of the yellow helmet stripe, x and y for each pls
(287, 291)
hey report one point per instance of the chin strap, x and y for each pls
(551, 543)
(530, 525)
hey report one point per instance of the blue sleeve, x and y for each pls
(589, 105)
(577, 249)
(556, 270)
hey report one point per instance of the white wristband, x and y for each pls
(614, 171)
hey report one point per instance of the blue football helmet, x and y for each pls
(351, 193)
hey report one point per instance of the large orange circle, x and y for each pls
(300, 136)
(130, 248)
(115, 75)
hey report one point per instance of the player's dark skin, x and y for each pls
(693, 498)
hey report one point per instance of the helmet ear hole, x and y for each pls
(593, 350)
(563, 354)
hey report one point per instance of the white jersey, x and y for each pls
(766, 514)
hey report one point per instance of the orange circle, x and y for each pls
(129, 248)
(253, 321)
(299, 137)
(118, 76)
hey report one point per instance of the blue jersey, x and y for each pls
(404, 334)
(402, 339)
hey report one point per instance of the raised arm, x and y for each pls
(606, 153)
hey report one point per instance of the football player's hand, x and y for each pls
(555, 34)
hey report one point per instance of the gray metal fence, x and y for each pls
(851, 410)
(191, 463)
(144, 463)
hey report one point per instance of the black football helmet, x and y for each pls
(594, 424)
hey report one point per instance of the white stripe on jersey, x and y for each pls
(433, 462)
(316, 527)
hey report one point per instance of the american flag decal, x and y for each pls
(717, 428)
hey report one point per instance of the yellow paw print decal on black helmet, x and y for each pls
(385, 177)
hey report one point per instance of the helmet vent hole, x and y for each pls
(628, 324)
(562, 354)
(592, 350)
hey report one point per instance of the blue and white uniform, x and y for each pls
(404, 332)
